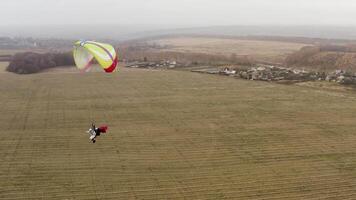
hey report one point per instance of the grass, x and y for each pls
(174, 135)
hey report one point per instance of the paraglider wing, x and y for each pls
(105, 54)
(82, 58)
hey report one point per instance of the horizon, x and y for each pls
(128, 32)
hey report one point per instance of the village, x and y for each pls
(260, 72)
(289, 75)
(163, 64)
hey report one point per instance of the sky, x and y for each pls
(180, 13)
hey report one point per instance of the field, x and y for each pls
(261, 50)
(174, 135)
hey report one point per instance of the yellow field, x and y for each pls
(3, 66)
(173, 135)
(10, 51)
(269, 50)
(14, 51)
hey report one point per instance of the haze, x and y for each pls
(179, 12)
(124, 19)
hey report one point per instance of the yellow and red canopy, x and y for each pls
(104, 54)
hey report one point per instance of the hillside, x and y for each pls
(223, 49)
(174, 135)
(326, 58)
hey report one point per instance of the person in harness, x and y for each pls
(95, 132)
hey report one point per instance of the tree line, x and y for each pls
(30, 62)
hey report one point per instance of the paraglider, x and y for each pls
(85, 51)
(95, 132)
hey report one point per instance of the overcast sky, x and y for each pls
(179, 12)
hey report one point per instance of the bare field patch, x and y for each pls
(173, 135)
